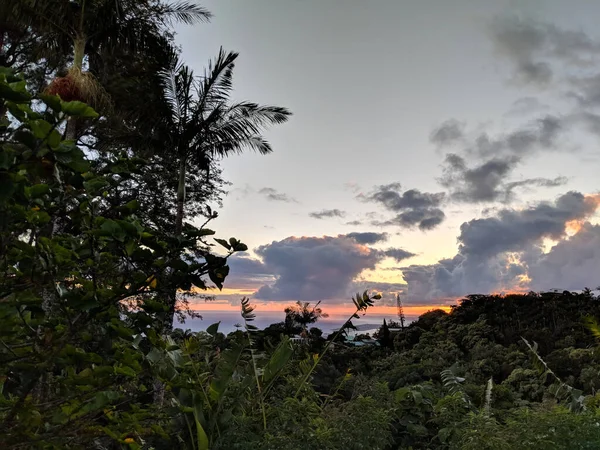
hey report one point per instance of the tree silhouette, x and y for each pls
(303, 314)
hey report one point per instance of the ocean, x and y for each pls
(366, 324)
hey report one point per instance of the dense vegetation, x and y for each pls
(108, 143)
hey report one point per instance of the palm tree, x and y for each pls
(303, 314)
(203, 123)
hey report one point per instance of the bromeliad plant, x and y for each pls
(81, 295)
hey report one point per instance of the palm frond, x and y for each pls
(184, 12)
(227, 144)
(261, 115)
(216, 84)
(240, 127)
(177, 82)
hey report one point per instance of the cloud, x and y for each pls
(273, 195)
(389, 196)
(541, 53)
(540, 134)
(538, 182)
(247, 273)
(525, 106)
(369, 237)
(448, 133)
(486, 182)
(327, 213)
(314, 268)
(586, 90)
(571, 264)
(414, 208)
(425, 219)
(310, 268)
(354, 222)
(534, 48)
(398, 254)
(512, 229)
(493, 252)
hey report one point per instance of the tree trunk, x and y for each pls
(180, 198)
(172, 293)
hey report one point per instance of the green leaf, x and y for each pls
(218, 276)
(125, 370)
(154, 356)
(17, 112)
(78, 109)
(239, 247)
(54, 139)
(13, 94)
(53, 101)
(278, 360)
(224, 243)
(201, 436)
(95, 184)
(132, 205)
(37, 190)
(200, 232)
(213, 329)
(40, 128)
(7, 159)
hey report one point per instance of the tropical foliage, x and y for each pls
(108, 143)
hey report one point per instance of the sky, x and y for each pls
(436, 149)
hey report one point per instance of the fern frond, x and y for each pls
(488, 397)
(452, 382)
(559, 389)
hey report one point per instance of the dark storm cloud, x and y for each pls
(314, 268)
(493, 252)
(534, 48)
(448, 133)
(414, 208)
(273, 195)
(310, 268)
(486, 182)
(512, 229)
(368, 237)
(327, 213)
